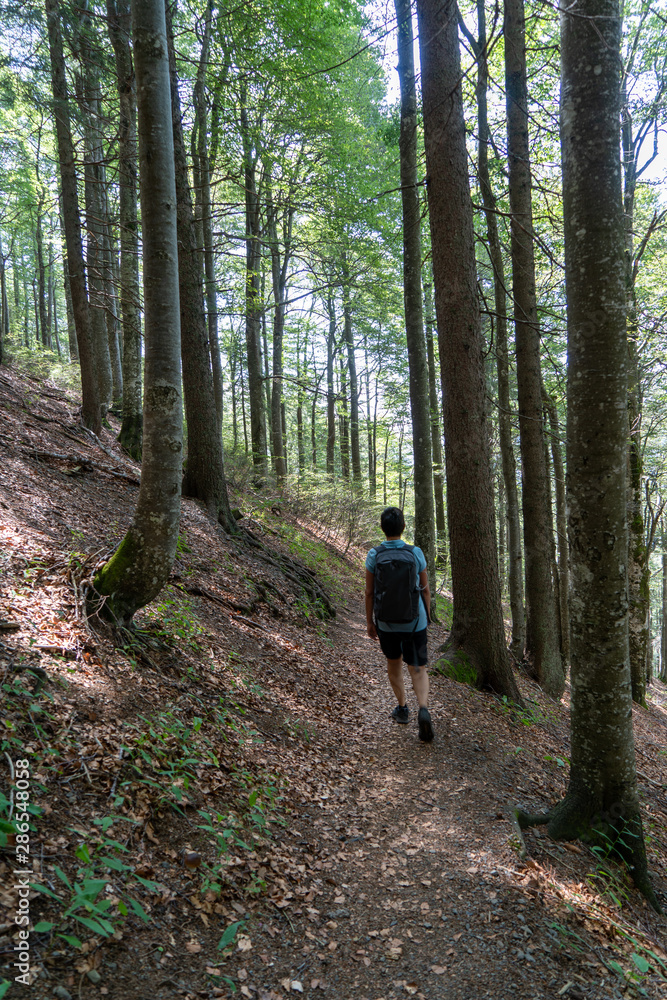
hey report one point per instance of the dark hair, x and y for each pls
(392, 521)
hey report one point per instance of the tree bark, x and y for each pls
(602, 795)
(140, 567)
(352, 369)
(204, 477)
(514, 551)
(542, 636)
(90, 407)
(90, 97)
(331, 392)
(639, 576)
(412, 294)
(279, 283)
(561, 526)
(344, 429)
(253, 301)
(202, 178)
(663, 632)
(477, 638)
(436, 435)
(130, 435)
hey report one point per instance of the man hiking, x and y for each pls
(398, 597)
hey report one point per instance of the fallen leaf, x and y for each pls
(438, 969)
(246, 992)
(296, 986)
(213, 972)
(411, 988)
(243, 943)
(193, 946)
(242, 974)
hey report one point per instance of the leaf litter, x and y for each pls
(233, 779)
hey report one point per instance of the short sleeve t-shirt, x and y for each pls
(421, 621)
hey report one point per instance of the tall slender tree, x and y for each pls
(477, 636)
(90, 406)
(543, 648)
(118, 20)
(602, 797)
(141, 565)
(412, 294)
(204, 476)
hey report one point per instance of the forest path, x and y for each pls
(385, 868)
(424, 895)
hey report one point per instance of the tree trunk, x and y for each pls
(279, 283)
(43, 335)
(436, 435)
(602, 794)
(118, 17)
(90, 408)
(412, 294)
(639, 576)
(202, 180)
(502, 519)
(253, 303)
(477, 638)
(111, 314)
(344, 432)
(140, 567)
(352, 369)
(331, 393)
(89, 96)
(663, 633)
(542, 637)
(561, 526)
(514, 551)
(204, 477)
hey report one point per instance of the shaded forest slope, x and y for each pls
(224, 807)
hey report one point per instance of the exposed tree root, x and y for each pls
(621, 837)
(294, 571)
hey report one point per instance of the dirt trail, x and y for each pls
(396, 873)
(422, 893)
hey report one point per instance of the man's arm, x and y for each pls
(368, 594)
(426, 592)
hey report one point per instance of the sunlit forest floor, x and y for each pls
(225, 806)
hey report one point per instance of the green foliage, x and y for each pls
(82, 898)
(173, 618)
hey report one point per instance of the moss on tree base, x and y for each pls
(130, 436)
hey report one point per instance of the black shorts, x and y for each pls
(412, 646)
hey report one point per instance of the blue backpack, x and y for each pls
(397, 590)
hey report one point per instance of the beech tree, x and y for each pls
(140, 567)
(118, 19)
(602, 800)
(543, 647)
(204, 476)
(477, 636)
(412, 293)
(90, 407)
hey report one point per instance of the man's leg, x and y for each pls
(420, 684)
(395, 674)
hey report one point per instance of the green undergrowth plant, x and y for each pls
(634, 962)
(528, 714)
(174, 619)
(101, 894)
(47, 366)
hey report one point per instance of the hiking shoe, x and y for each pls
(425, 727)
(401, 713)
